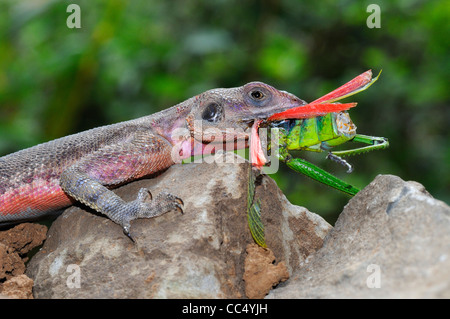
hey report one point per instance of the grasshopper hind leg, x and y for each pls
(302, 166)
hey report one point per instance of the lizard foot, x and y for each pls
(146, 207)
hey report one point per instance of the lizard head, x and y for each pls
(221, 115)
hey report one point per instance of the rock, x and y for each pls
(10, 263)
(24, 237)
(19, 287)
(199, 254)
(391, 241)
(15, 243)
(260, 272)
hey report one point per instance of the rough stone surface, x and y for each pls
(15, 243)
(199, 254)
(391, 241)
(18, 287)
(23, 237)
(260, 272)
(10, 263)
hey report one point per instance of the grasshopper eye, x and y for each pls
(257, 95)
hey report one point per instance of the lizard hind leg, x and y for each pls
(89, 180)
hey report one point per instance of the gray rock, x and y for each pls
(391, 241)
(199, 254)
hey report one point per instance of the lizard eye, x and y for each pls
(257, 95)
(213, 113)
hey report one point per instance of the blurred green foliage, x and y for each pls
(133, 58)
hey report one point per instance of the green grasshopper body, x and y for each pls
(322, 134)
(318, 133)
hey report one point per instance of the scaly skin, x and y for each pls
(84, 167)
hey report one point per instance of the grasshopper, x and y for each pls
(311, 127)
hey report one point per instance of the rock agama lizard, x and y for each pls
(84, 167)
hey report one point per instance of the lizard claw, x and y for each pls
(126, 231)
(179, 204)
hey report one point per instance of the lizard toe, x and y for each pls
(144, 195)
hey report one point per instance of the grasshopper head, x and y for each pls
(344, 125)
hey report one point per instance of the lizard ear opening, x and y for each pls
(213, 113)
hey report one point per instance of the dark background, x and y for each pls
(130, 59)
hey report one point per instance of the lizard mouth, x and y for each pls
(249, 121)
